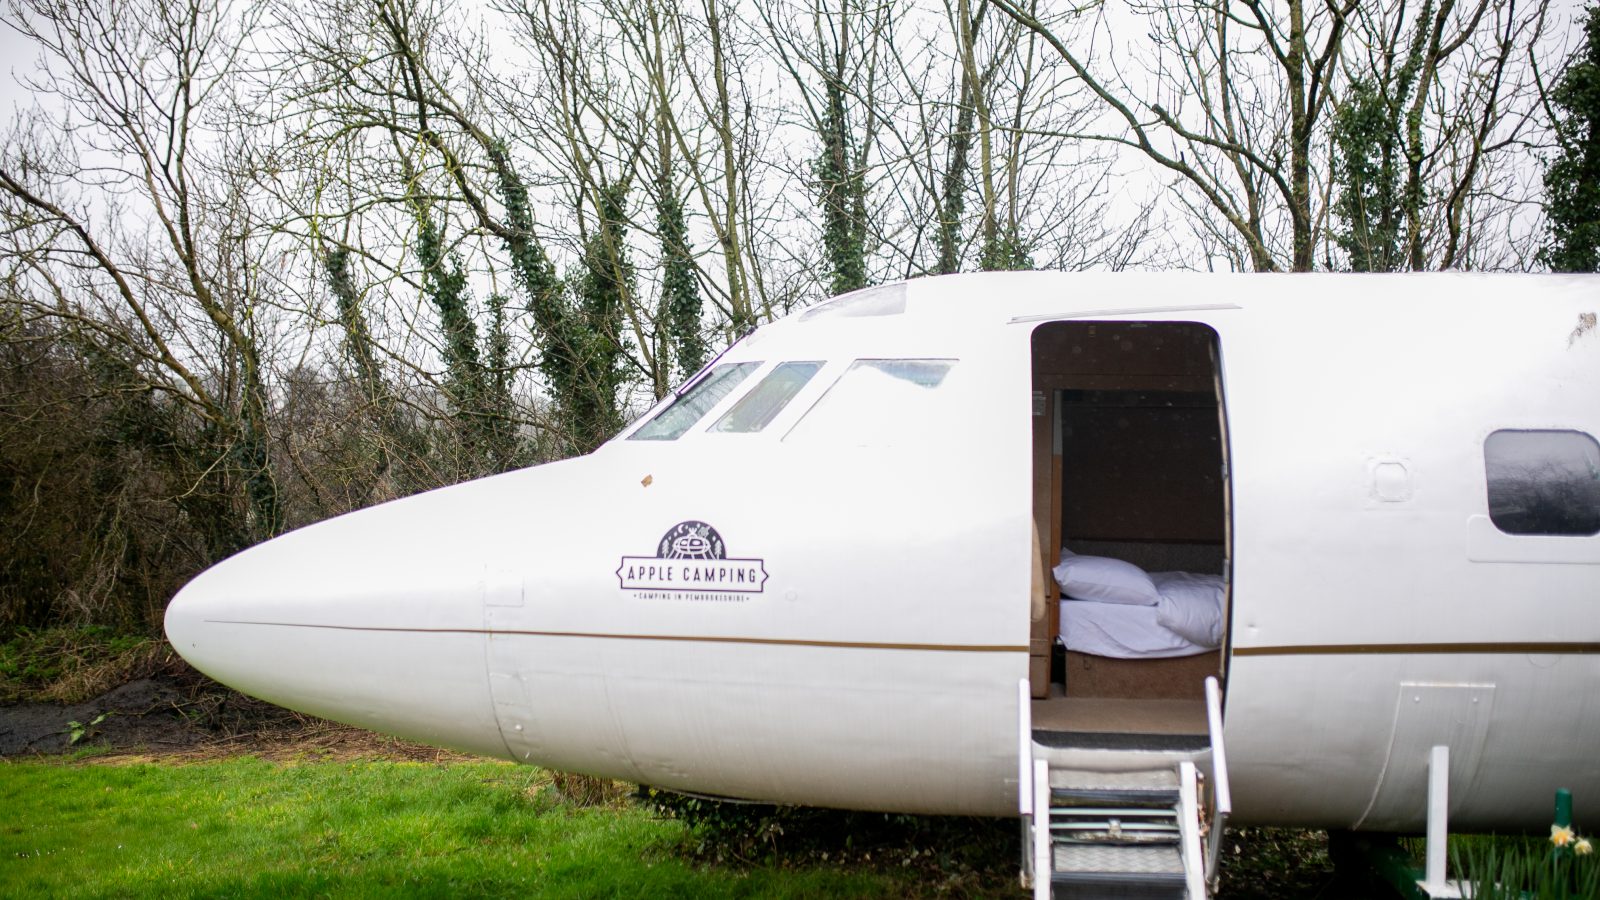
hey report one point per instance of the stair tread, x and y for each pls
(1097, 834)
(1153, 780)
(1087, 806)
(1080, 797)
(1057, 820)
(1118, 859)
(1184, 744)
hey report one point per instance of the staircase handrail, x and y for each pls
(1221, 793)
(1024, 748)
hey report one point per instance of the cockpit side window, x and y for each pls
(878, 402)
(757, 409)
(691, 407)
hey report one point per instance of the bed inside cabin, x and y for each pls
(1130, 501)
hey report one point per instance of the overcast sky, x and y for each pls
(17, 57)
(1135, 180)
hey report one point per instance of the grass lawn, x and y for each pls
(249, 827)
(246, 827)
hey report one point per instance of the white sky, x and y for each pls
(17, 57)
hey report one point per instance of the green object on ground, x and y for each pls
(1563, 808)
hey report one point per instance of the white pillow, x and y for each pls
(1191, 606)
(1106, 580)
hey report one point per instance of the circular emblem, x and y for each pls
(692, 540)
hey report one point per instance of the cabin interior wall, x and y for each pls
(1141, 469)
(1046, 523)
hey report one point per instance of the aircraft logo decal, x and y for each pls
(692, 540)
(692, 563)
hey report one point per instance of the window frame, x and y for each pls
(794, 400)
(756, 367)
(847, 365)
(1491, 463)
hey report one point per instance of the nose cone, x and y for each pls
(373, 618)
(185, 621)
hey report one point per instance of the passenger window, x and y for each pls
(1543, 482)
(690, 407)
(878, 402)
(757, 409)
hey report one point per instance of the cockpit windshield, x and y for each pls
(878, 402)
(682, 413)
(757, 409)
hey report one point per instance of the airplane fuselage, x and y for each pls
(828, 602)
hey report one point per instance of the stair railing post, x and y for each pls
(1221, 792)
(1024, 748)
(1025, 779)
(1189, 831)
(1043, 866)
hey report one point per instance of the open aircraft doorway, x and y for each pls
(1131, 501)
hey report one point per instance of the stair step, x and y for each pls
(1122, 841)
(1074, 797)
(1100, 835)
(1103, 741)
(1089, 811)
(1147, 790)
(1098, 798)
(1114, 831)
(1115, 887)
(1118, 859)
(1104, 824)
(1086, 871)
(1087, 780)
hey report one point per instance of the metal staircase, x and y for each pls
(1116, 834)
(1125, 834)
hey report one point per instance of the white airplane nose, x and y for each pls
(374, 618)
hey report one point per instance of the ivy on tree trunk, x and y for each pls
(1572, 180)
(842, 192)
(603, 290)
(680, 290)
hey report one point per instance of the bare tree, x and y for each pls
(1435, 96)
(135, 85)
(1229, 101)
(971, 171)
(1233, 98)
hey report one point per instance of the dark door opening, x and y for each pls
(1131, 503)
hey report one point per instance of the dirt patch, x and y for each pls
(318, 743)
(146, 712)
(173, 718)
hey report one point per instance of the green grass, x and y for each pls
(1523, 868)
(244, 827)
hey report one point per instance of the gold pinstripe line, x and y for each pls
(709, 639)
(1421, 649)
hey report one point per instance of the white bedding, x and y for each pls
(1120, 630)
(1191, 605)
(1187, 619)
